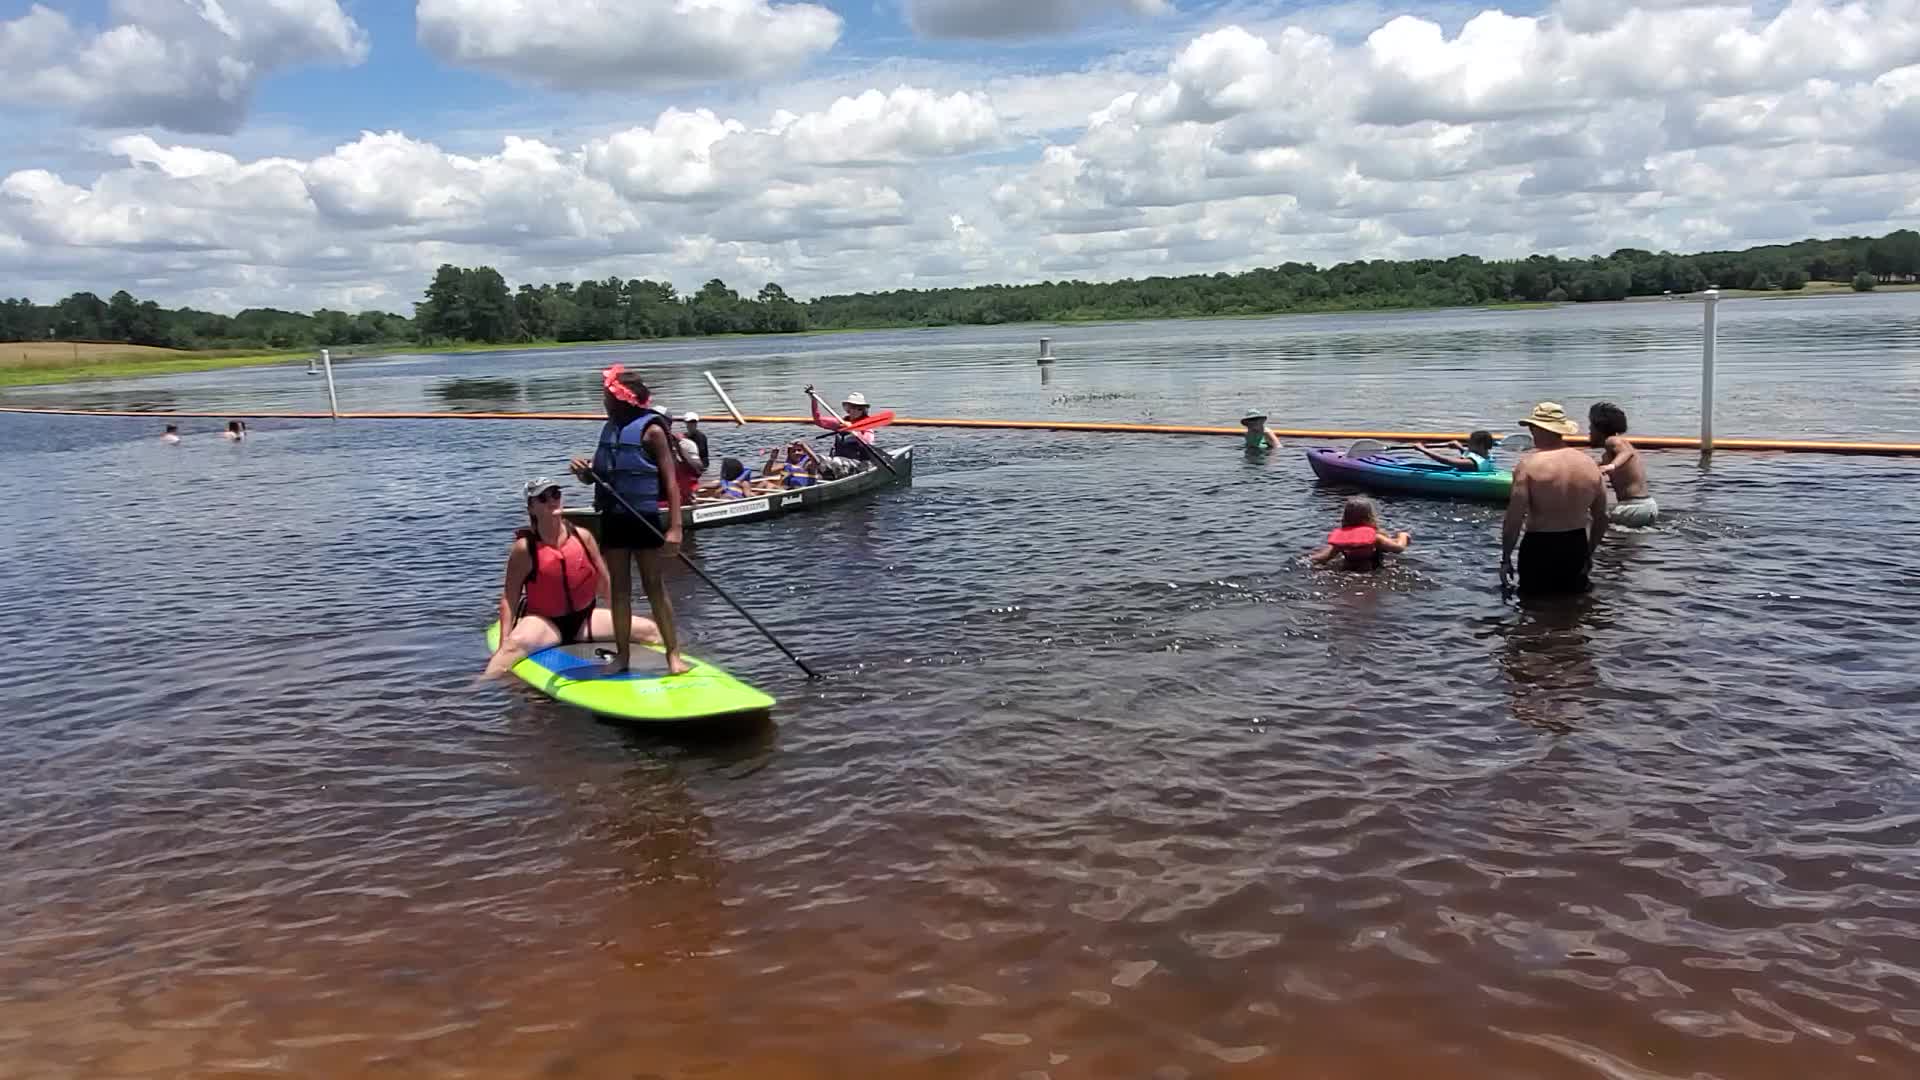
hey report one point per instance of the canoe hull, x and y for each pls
(1400, 477)
(717, 514)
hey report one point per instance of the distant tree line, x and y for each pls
(475, 304)
(85, 317)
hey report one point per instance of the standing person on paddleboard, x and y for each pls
(852, 450)
(635, 462)
(555, 577)
(1560, 500)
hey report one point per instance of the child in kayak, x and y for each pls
(1359, 540)
(1475, 457)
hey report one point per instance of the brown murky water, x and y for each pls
(1102, 783)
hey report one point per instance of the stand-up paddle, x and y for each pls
(601, 482)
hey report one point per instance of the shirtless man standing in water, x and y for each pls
(1560, 499)
(1620, 463)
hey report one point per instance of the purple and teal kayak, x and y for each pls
(1400, 475)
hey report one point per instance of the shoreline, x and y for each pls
(217, 360)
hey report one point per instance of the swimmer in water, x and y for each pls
(1621, 464)
(1257, 438)
(171, 435)
(236, 430)
(1359, 541)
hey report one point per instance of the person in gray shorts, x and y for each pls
(1621, 464)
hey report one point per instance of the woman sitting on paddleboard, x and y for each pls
(1359, 539)
(555, 577)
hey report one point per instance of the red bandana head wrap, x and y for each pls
(610, 379)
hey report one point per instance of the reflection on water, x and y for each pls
(1102, 780)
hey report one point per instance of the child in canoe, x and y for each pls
(1359, 541)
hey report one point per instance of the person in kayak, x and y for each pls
(1560, 501)
(1359, 541)
(634, 463)
(1257, 438)
(1475, 457)
(851, 450)
(1621, 464)
(555, 578)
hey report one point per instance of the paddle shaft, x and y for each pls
(872, 451)
(724, 399)
(691, 565)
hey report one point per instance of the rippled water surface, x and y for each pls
(1102, 782)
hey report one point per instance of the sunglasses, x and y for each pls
(552, 494)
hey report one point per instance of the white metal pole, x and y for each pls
(326, 360)
(1709, 331)
(1046, 349)
(724, 399)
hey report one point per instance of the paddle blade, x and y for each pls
(872, 420)
(1365, 446)
(1519, 441)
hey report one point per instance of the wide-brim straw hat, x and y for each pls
(1549, 416)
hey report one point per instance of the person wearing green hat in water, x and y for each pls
(1258, 439)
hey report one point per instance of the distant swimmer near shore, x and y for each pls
(1621, 464)
(171, 435)
(236, 430)
(1560, 500)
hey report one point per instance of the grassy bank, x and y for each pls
(30, 363)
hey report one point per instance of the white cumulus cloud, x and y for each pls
(186, 65)
(640, 44)
(1574, 131)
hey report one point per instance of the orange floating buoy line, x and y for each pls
(1330, 435)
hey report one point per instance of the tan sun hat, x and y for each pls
(855, 398)
(1549, 416)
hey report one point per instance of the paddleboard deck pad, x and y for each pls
(571, 675)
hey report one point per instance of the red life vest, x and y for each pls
(1357, 542)
(563, 581)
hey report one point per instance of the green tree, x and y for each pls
(1863, 282)
(1793, 280)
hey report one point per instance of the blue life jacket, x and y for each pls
(622, 459)
(852, 446)
(736, 488)
(797, 476)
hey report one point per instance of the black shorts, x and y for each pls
(1554, 562)
(619, 529)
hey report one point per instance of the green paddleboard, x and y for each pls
(571, 674)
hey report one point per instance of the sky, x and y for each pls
(308, 153)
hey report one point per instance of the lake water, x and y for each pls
(1102, 782)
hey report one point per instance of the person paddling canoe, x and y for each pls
(851, 450)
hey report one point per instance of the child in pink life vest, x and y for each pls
(1359, 540)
